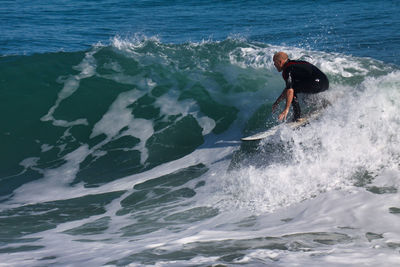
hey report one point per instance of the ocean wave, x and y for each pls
(139, 139)
(153, 102)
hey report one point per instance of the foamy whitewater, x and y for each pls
(135, 160)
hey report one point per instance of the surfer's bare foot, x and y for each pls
(300, 120)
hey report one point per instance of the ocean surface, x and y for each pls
(121, 122)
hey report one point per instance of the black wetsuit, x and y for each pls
(303, 77)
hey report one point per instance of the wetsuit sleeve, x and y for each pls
(289, 81)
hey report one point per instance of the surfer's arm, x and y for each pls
(279, 99)
(289, 86)
(289, 98)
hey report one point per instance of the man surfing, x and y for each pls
(300, 77)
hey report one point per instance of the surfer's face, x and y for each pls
(279, 64)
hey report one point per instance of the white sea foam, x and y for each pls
(118, 115)
(331, 63)
(133, 42)
(358, 133)
(169, 105)
(87, 68)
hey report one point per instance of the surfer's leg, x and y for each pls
(296, 108)
(317, 101)
(317, 98)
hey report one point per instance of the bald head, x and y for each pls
(280, 56)
(280, 59)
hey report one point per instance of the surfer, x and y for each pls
(300, 77)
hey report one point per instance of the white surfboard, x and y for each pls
(273, 130)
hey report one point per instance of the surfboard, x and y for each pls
(273, 130)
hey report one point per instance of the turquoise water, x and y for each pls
(121, 126)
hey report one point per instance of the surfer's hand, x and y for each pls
(283, 115)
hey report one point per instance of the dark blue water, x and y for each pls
(359, 28)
